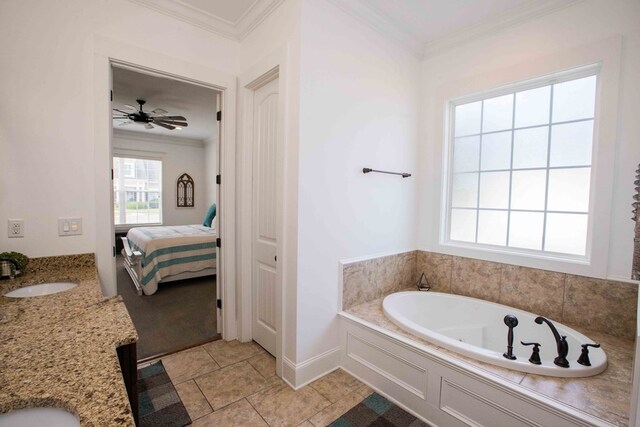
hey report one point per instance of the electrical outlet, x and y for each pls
(16, 228)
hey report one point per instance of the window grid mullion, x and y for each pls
(479, 169)
(513, 132)
(566, 122)
(546, 190)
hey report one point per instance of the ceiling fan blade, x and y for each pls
(179, 118)
(120, 111)
(165, 126)
(148, 126)
(171, 122)
(130, 107)
(159, 111)
(125, 123)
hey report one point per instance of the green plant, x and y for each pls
(21, 259)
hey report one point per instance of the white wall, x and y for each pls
(358, 108)
(178, 156)
(46, 113)
(578, 31)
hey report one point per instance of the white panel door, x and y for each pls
(265, 138)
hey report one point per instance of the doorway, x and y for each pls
(166, 150)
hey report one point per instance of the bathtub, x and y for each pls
(475, 328)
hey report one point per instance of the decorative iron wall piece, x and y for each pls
(635, 268)
(185, 192)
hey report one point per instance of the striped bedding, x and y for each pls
(170, 250)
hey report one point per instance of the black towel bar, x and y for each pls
(403, 174)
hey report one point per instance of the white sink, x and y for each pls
(41, 289)
(29, 417)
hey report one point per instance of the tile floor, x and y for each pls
(235, 384)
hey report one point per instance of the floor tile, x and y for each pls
(337, 409)
(193, 399)
(188, 364)
(230, 384)
(336, 384)
(237, 414)
(283, 406)
(264, 363)
(227, 353)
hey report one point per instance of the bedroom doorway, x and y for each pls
(166, 149)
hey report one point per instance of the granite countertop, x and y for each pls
(60, 350)
(606, 396)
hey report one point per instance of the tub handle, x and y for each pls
(535, 355)
(584, 355)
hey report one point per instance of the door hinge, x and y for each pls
(219, 116)
(218, 179)
(111, 95)
(114, 251)
(111, 174)
(219, 304)
(219, 242)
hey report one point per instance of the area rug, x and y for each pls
(377, 411)
(158, 402)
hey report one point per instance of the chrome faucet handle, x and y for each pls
(584, 355)
(535, 354)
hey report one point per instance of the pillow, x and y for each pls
(211, 213)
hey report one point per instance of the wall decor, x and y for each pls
(185, 191)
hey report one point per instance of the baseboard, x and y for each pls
(297, 375)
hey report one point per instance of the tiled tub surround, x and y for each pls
(594, 304)
(605, 396)
(610, 305)
(60, 350)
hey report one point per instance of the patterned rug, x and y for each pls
(158, 402)
(377, 411)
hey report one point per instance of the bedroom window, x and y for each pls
(137, 191)
(520, 166)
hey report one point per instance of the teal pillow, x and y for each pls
(211, 213)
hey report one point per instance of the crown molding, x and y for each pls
(362, 12)
(237, 31)
(525, 12)
(158, 139)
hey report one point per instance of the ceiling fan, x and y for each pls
(156, 117)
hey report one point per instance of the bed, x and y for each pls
(161, 254)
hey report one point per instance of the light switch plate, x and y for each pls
(16, 228)
(69, 226)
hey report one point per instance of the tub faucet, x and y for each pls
(16, 266)
(561, 343)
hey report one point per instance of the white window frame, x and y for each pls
(135, 155)
(573, 74)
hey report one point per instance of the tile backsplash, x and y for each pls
(600, 305)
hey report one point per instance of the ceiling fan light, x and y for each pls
(178, 127)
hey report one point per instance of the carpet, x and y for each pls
(180, 315)
(377, 411)
(158, 402)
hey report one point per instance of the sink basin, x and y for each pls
(29, 417)
(41, 289)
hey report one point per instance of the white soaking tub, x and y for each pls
(476, 328)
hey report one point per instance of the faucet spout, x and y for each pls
(561, 343)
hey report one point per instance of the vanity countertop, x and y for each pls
(60, 350)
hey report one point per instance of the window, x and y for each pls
(520, 166)
(137, 191)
